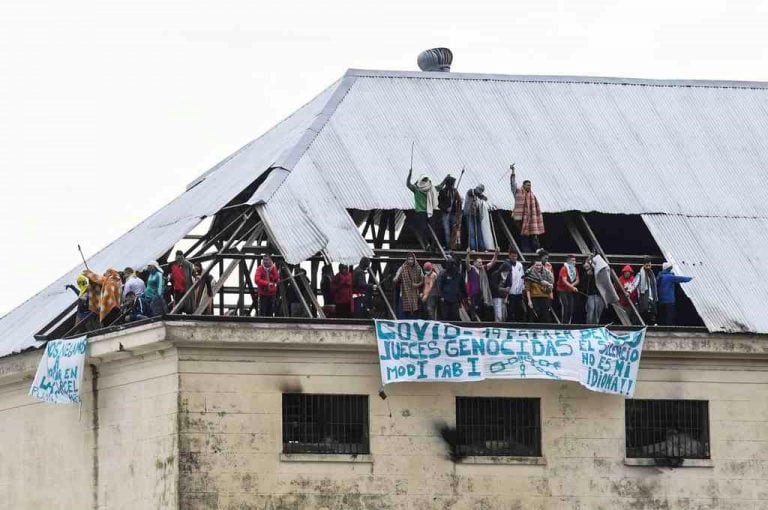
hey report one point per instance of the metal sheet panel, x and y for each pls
(614, 146)
(727, 258)
(155, 235)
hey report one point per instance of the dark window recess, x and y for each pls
(325, 423)
(667, 430)
(488, 426)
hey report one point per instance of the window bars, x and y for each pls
(336, 424)
(492, 426)
(667, 429)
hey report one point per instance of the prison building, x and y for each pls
(230, 410)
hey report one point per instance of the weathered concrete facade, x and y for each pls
(189, 416)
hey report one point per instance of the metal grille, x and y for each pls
(498, 426)
(667, 429)
(325, 423)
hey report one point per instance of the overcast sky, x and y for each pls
(108, 108)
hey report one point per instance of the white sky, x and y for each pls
(108, 109)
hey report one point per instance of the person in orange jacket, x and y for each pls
(267, 278)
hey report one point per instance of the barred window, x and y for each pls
(491, 426)
(325, 423)
(667, 430)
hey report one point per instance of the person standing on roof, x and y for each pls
(648, 294)
(424, 203)
(132, 282)
(341, 290)
(156, 288)
(515, 310)
(411, 278)
(538, 287)
(83, 294)
(500, 286)
(266, 279)
(527, 213)
(203, 289)
(450, 288)
(106, 292)
(362, 290)
(429, 294)
(478, 284)
(182, 279)
(567, 283)
(449, 204)
(549, 271)
(595, 303)
(472, 211)
(666, 284)
(629, 284)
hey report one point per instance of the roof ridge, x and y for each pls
(586, 80)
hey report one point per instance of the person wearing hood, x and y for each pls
(83, 294)
(181, 274)
(266, 279)
(411, 278)
(538, 288)
(362, 290)
(567, 283)
(105, 294)
(449, 203)
(341, 291)
(478, 285)
(647, 291)
(666, 285)
(450, 288)
(155, 289)
(424, 203)
(527, 213)
(429, 294)
(629, 284)
(472, 215)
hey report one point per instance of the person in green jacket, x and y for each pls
(424, 203)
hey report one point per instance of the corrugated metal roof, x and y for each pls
(155, 235)
(727, 258)
(590, 144)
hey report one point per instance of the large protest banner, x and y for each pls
(416, 350)
(60, 372)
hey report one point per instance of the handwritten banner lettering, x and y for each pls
(60, 372)
(416, 350)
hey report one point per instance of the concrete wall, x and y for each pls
(123, 454)
(230, 435)
(189, 416)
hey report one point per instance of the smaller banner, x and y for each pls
(60, 372)
(416, 350)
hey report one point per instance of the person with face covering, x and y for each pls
(266, 279)
(449, 204)
(341, 291)
(83, 295)
(500, 287)
(538, 287)
(647, 292)
(429, 292)
(629, 284)
(451, 290)
(155, 289)
(472, 215)
(527, 213)
(106, 292)
(595, 303)
(425, 203)
(478, 285)
(567, 283)
(411, 278)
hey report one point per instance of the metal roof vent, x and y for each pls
(436, 59)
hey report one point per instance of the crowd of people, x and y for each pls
(125, 296)
(505, 291)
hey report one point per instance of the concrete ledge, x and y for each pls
(326, 457)
(687, 463)
(506, 461)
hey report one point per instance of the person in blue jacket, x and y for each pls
(666, 283)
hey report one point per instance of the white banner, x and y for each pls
(416, 350)
(60, 372)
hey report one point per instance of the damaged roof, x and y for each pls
(685, 149)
